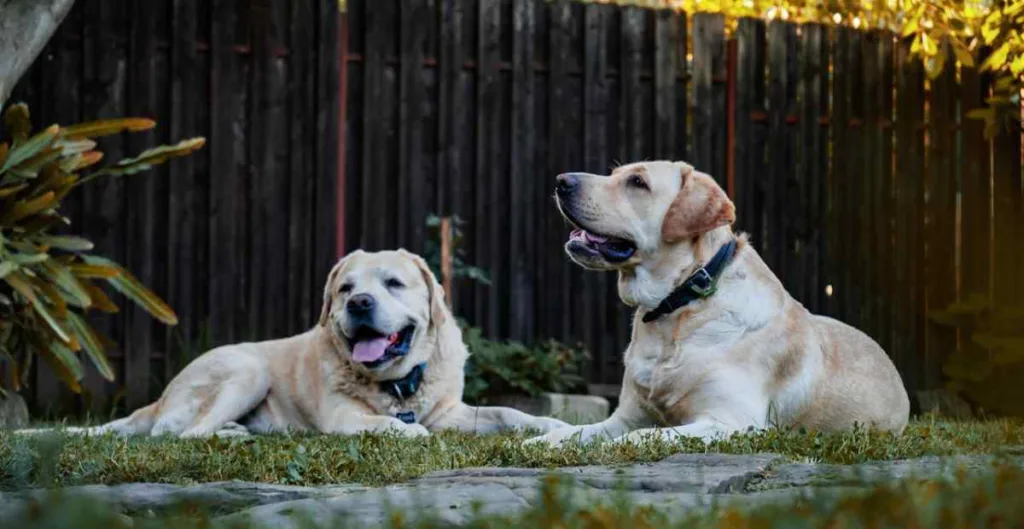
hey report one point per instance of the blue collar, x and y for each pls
(701, 284)
(406, 386)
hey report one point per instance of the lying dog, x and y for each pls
(718, 345)
(386, 355)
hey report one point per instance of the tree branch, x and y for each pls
(25, 28)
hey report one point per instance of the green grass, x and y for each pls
(986, 499)
(384, 459)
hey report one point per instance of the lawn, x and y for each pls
(384, 459)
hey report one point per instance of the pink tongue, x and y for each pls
(594, 238)
(369, 350)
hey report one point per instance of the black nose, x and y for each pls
(566, 183)
(360, 304)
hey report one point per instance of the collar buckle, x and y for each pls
(702, 283)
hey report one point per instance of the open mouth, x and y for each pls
(612, 249)
(372, 348)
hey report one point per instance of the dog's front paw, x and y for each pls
(414, 430)
(557, 437)
(547, 424)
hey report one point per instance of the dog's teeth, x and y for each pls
(393, 337)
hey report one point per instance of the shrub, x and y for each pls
(432, 252)
(510, 367)
(49, 280)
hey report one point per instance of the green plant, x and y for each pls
(510, 367)
(432, 251)
(49, 280)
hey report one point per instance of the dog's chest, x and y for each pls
(670, 376)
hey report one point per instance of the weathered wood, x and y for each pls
(375, 222)
(909, 222)
(709, 116)
(814, 82)
(884, 229)
(303, 298)
(522, 177)
(749, 153)
(184, 215)
(940, 236)
(411, 205)
(324, 251)
(976, 205)
(669, 59)
(489, 195)
(869, 181)
(558, 152)
(140, 222)
(104, 64)
(781, 210)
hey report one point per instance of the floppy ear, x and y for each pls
(700, 206)
(439, 312)
(330, 288)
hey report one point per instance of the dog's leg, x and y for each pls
(489, 419)
(349, 423)
(234, 398)
(629, 416)
(707, 430)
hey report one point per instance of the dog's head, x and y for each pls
(640, 214)
(383, 307)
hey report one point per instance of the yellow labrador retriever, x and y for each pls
(386, 355)
(718, 345)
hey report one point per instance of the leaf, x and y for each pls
(998, 58)
(64, 364)
(23, 209)
(963, 54)
(149, 158)
(99, 299)
(128, 285)
(18, 122)
(106, 127)
(6, 267)
(69, 147)
(982, 113)
(70, 243)
(31, 147)
(86, 271)
(81, 161)
(25, 289)
(63, 278)
(26, 259)
(4, 149)
(91, 345)
(8, 191)
(30, 168)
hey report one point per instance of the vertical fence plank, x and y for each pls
(709, 116)
(941, 221)
(559, 155)
(884, 229)
(303, 302)
(184, 215)
(780, 208)
(375, 222)
(227, 191)
(140, 221)
(976, 206)
(868, 207)
(324, 175)
(855, 225)
(258, 179)
(522, 177)
(451, 109)
(814, 80)
(909, 205)
(669, 45)
(749, 153)
(839, 198)
(488, 136)
(411, 182)
(104, 66)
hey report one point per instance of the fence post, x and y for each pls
(446, 260)
(339, 206)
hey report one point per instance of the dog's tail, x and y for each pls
(139, 422)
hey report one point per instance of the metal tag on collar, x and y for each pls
(398, 390)
(408, 417)
(702, 283)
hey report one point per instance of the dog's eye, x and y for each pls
(394, 283)
(346, 288)
(637, 181)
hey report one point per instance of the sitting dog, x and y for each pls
(386, 355)
(718, 345)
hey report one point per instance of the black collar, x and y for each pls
(406, 386)
(699, 285)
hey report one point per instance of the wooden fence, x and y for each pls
(237, 238)
(862, 184)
